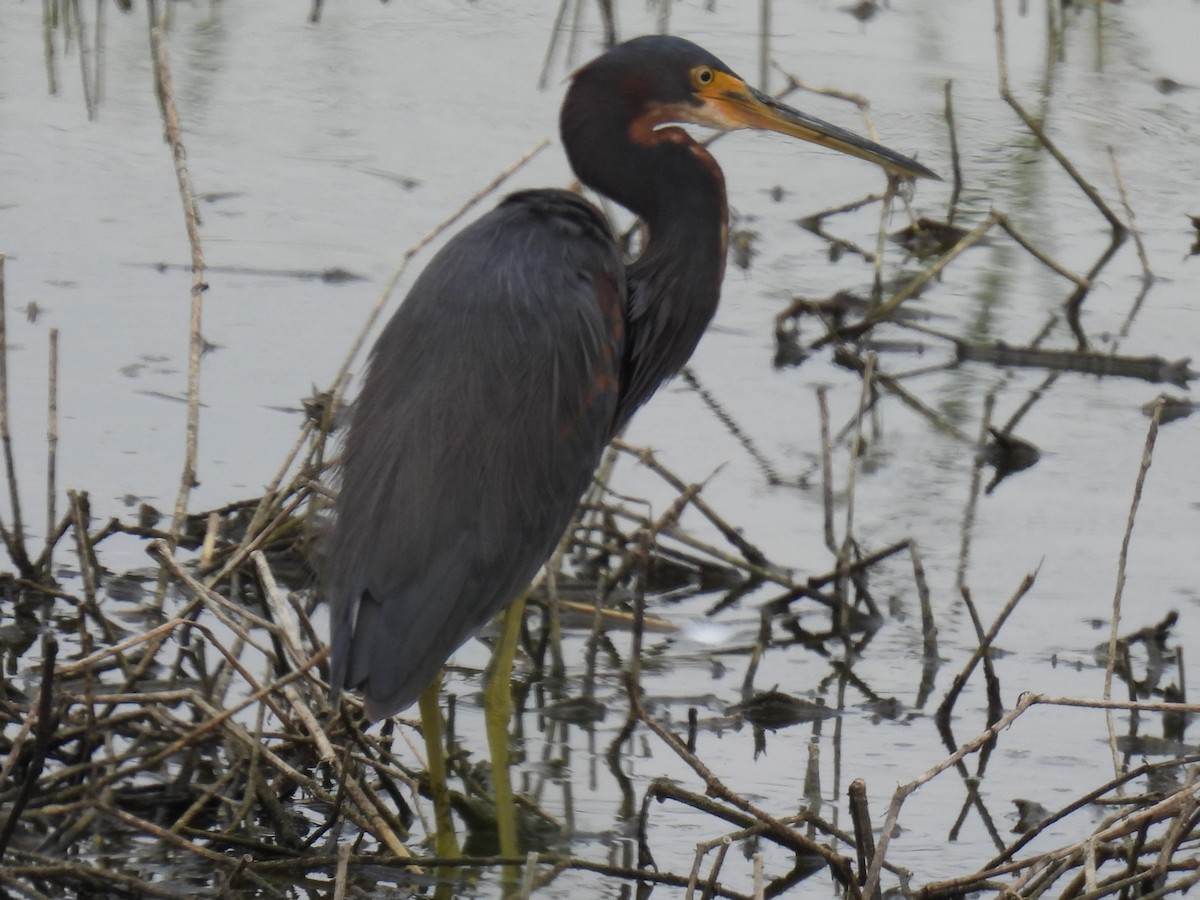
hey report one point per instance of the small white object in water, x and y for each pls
(709, 634)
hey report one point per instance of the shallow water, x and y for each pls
(302, 135)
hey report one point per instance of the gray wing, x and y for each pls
(485, 408)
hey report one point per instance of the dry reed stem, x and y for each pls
(856, 450)
(1044, 258)
(14, 539)
(48, 15)
(174, 136)
(955, 159)
(1122, 560)
(984, 645)
(46, 561)
(826, 469)
(1148, 276)
(75, 16)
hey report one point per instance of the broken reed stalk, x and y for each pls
(1032, 249)
(49, 13)
(87, 570)
(98, 68)
(955, 160)
(826, 470)
(272, 495)
(929, 632)
(174, 137)
(864, 838)
(968, 525)
(1122, 559)
(1147, 273)
(985, 643)
(74, 15)
(14, 540)
(51, 454)
(1148, 277)
(856, 447)
(881, 237)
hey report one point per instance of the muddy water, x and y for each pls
(340, 145)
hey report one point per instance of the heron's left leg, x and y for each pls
(497, 710)
(445, 842)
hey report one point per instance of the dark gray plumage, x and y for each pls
(488, 399)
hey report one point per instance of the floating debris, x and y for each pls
(926, 238)
(332, 275)
(1173, 408)
(741, 246)
(1165, 85)
(1154, 369)
(1007, 454)
(774, 709)
(1030, 814)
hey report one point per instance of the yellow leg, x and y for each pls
(497, 710)
(445, 841)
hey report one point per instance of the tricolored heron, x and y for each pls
(522, 348)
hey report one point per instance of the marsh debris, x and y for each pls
(774, 709)
(926, 238)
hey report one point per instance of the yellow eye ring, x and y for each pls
(703, 75)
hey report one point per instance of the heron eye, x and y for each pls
(704, 75)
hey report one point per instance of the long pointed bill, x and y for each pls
(737, 105)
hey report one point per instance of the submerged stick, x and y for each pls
(1153, 369)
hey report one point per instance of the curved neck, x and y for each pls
(677, 188)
